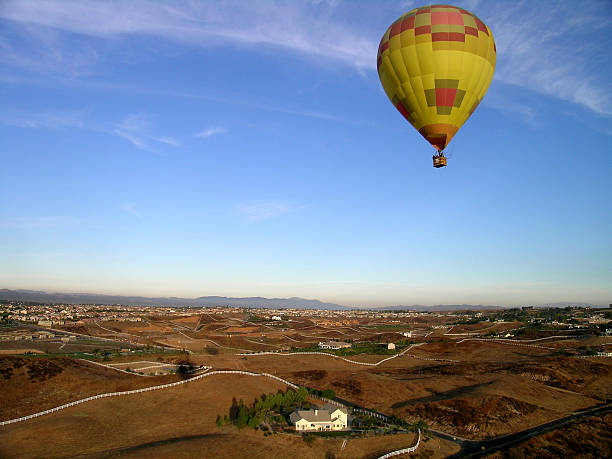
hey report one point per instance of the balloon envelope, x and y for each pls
(435, 64)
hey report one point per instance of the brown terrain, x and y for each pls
(587, 438)
(30, 385)
(470, 389)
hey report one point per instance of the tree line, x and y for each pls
(252, 416)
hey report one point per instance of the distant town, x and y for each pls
(56, 321)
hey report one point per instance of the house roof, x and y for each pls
(322, 415)
(311, 416)
(331, 408)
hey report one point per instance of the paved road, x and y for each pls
(474, 449)
(471, 448)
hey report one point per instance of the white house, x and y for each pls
(391, 346)
(407, 334)
(330, 417)
(276, 318)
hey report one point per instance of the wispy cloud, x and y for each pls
(132, 129)
(209, 132)
(556, 49)
(31, 48)
(305, 26)
(45, 120)
(43, 221)
(135, 128)
(522, 110)
(263, 210)
(551, 47)
(129, 208)
(471, 4)
(168, 141)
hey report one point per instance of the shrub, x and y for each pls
(337, 433)
(253, 422)
(211, 350)
(591, 351)
(309, 439)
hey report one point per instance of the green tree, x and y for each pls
(242, 416)
(233, 411)
(420, 425)
(219, 421)
(253, 422)
(301, 395)
(277, 400)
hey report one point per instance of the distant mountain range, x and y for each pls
(92, 298)
(249, 302)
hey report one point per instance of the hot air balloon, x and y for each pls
(436, 63)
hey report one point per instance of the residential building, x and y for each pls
(330, 417)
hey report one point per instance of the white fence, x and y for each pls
(146, 389)
(337, 356)
(509, 342)
(113, 368)
(431, 358)
(371, 413)
(412, 449)
(331, 402)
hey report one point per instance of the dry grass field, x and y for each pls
(462, 386)
(466, 399)
(178, 422)
(29, 385)
(588, 438)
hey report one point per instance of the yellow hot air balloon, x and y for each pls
(435, 64)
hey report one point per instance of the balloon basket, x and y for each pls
(439, 161)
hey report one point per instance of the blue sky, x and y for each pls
(247, 148)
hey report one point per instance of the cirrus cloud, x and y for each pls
(255, 211)
(552, 47)
(209, 132)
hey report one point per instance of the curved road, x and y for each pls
(471, 448)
